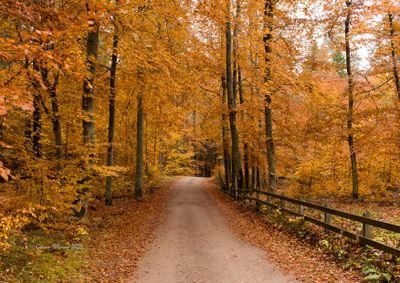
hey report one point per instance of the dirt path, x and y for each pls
(195, 244)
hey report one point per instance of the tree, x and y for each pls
(139, 138)
(236, 160)
(394, 54)
(268, 25)
(111, 121)
(350, 80)
(92, 45)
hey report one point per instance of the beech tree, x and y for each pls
(350, 81)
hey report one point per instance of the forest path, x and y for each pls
(195, 244)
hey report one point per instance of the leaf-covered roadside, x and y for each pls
(121, 233)
(299, 258)
(106, 250)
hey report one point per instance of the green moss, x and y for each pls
(37, 257)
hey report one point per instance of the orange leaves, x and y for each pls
(14, 97)
(4, 172)
(124, 231)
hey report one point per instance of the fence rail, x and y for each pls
(365, 238)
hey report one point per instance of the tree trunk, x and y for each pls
(236, 83)
(88, 91)
(394, 55)
(57, 129)
(139, 143)
(225, 143)
(37, 127)
(111, 120)
(55, 117)
(236, 160)
(246, 146)
(37, 114)
(268, 15)
(253, 173)
(350, 133)
(56, 121)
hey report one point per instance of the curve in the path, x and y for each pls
(195, 244)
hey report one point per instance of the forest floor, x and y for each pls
(121, 234)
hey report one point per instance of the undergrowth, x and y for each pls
(376, 266)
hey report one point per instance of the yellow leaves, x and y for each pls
(113, 171)
(9, 226)
(80, 234)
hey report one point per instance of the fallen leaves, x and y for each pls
(126, 231)
(304, 261)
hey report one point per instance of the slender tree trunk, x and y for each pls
(394, 55)
(111, 119)
(246, 146)
(55, 117)
(57, 129)
(225, 143)
(139, 143)
(253, 174)
(37, 115)
(236, 160)
(258, 177)
(88, 130)
(236, 83)
(37, 127)
(350, 133)
(88, 90)
(268, 16)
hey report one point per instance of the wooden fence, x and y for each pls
(277, 201)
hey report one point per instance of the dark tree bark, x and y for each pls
(225, 143)
(55, 117)
(253, 174)
(139, 140)
(88, 90)
(57, 128)
(236, 82)
(236, 160)
(394, 55)
(34, 134)
(111, 119)
(268, 16)
(246, 146)
(37, 117)
(350, 134)
(37, 127)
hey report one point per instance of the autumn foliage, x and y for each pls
(254, 91)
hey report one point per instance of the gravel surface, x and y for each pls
(195, 244)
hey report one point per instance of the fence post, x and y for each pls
(282, 201)
(257, 203)
(268, 201)
(367, 229)
(327, 218)
(301, 209)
